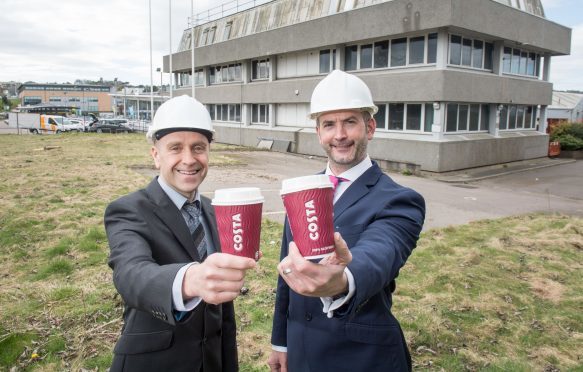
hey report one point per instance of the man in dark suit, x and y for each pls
(335, 315)
(176, 286)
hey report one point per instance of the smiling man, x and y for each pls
(176, 285)
(335, 315)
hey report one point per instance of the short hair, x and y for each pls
(366, 116)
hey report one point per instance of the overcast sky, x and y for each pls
(64, 40)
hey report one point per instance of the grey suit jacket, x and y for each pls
(149, 242)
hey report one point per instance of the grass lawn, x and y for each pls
(496, 295)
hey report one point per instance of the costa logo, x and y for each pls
(312, 219)
(237, 233)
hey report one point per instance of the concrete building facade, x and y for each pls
(459, 83)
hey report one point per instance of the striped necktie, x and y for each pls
(195, 227)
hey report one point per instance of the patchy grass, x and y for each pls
(492, 295)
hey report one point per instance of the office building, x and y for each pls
(459, 83)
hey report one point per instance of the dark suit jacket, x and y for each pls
(150, 242)
(381, 222)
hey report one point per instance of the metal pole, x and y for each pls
(151, 70)
(192, 45)
(170, 33)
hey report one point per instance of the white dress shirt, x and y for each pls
(179, 200)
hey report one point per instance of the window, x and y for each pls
(211, 35)
(224, 74)
(455, 50)
(466, 52)
(431, 48)
(227, 31)
(474, 117)
(520, 62)
(260, 114)
(530, 68)
(396, 113)
(417, 50)
(351, 57)
(512, 117)
(261, 69)
(327, 60)
(225, 112)
(413, 116)
(398, 52)
(198, 77)
(485, 118)
(391, 53)
(463, 117)
(406, 117)
(54, 99)
(515, 67)
(324, 61)
(32, 100)
(381, 116)
(462, 124)
(528, 122)
(477, 54)
(503, 118)
(381, 54)
(366, 56)
(204, 37)
(470, 52)
(520, 117)
(428, 117)
(488, 56)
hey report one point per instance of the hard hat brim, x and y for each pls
(162, 132)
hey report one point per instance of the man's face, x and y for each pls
(182, 158)
(344, 136)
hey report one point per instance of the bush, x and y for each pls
(570, 143)
(570, 135)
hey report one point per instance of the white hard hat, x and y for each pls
(180, 113)
(341, 91)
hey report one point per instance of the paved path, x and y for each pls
(557, 188)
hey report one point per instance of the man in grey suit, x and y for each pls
(176, 285)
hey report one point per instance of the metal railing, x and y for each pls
(224, 10)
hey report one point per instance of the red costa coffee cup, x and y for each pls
(238, 214)
(308, 202)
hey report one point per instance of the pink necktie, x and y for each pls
(336, 180)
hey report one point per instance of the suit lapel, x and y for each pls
(357, 190)
(171, 217)
(209, 217)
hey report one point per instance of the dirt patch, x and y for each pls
(547, 289)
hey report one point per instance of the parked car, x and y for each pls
(73, 125)
(110, 126)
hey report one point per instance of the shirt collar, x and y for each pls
(177, 198)
(353, 173)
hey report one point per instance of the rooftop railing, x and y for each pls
(224, 10)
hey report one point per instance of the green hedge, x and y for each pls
(570, 135)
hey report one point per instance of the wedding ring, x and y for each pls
(287, 271)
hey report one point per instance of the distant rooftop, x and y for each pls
(564, 100)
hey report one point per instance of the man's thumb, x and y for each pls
(342, 252)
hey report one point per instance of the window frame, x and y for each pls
(487, 49)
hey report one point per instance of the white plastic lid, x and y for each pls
(318, 181)
(238, 196)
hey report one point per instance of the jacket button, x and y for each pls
(308, 316)
(204, 341)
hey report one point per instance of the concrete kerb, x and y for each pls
(482, 173)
